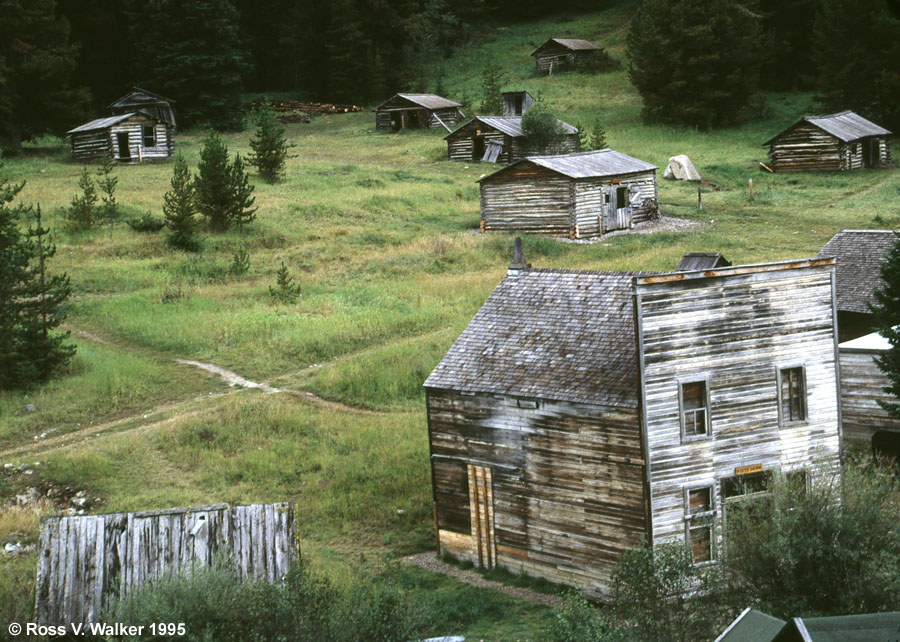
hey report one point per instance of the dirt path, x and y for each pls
(430, 562)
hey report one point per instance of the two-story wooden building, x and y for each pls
(582, 412)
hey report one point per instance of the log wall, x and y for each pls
(862, 385)
(528, 198)
(567, 482)
(134, 129)
(805, 147)
(88, 146)
(81, 559)
(520, 150)
(735, 333)
(460, 148)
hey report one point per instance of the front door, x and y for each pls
(481, 512)
(124, 147)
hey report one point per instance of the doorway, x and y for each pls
(870, 152)
(481, 511)
(124, 147)
(477, 148)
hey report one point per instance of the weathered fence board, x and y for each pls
(83, 558)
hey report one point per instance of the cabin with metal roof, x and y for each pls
(702, 261)
(556, 53)
(516, 103)
(865, 627)
(128, 138)
(860, 255)
(841, 141)
(500, 139)
(576, 195)
(151, 104)
(752, 626)
(583, 412)
(417, 111)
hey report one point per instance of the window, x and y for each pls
(700, 519)
(791, 395)
(149, 136)
(694, 411)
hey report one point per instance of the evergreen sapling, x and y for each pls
(179, 207)
(285, 290)
(82, 211)
(270, 147)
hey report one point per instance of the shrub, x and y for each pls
(240, 262)
(541, 128)
(146, 223)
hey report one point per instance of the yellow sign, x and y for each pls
(748, 470)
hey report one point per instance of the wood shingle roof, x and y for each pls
(859, 254)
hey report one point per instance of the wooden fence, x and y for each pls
(83, 559)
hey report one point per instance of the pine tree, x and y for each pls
(541, 128)
(270, 147)
(213, 183)
(179, 207)
(241, 209)
(491, 95)
(284, 290)
(109, 207)
(598, 137)
(30, 298)
(83, 210)
(886, 311)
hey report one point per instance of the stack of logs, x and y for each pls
(298, 111)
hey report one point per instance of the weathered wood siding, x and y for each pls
(450, 116)
(88, 146)
(461, 147)
(805, 147)
(589, 200)
(82, 558)
(520, 150)
(509, 103)
(557, 53)
(567, 481)
(862, 385)
(528, 198)
(417, 117)
(734, 333)
(134, 128)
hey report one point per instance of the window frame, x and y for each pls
(804, 395)
(685, 438)
(701, 519)
(144, 135)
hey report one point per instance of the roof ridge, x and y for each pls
(868, 231)
(577, 271)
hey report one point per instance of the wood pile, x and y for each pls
(299, 111)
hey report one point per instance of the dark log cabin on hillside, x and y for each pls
(692, 261)
(860, 255)
(562, 51)
(841, 141)
(576, 195)
(153, 105)
(417, 111)
(516, 103)
(128, 138)
(500, 139)
(582, 412)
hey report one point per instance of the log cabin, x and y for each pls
(860, 255)
(516, 103)
(702, 261)
(576, 195)
(841, 141)
(562, 51)
(583, 412)
(146, 101)
(417, 111)
(500, 139)
(862, 387)
(127, 138)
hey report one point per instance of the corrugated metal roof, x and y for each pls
(845, 125)
(752, 626)
(101, 123)
(509, 125)
(603, 162)
(574, 44)
(566, 335)
(702, 261)
(429, 101)
(868, 627)
(859, 255)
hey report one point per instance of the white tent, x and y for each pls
(681, 168)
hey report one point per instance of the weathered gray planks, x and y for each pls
(82, 558)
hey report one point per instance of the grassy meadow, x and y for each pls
(379, 230)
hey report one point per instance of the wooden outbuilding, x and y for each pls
(516, 103)
(755, 626)
(417, 111)
(128, 138)
(567, 51)
(841, 141)
(583, 412)
(576, 195)
(702, 261)
(154, 105)
(862, 387)
(500, 139)
(860, 255)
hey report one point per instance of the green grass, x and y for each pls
(377, 229)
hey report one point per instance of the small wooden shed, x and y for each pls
(702, 261)
(151, 104)
(860, 255)
(841, 141)
(499, 139)
(128, 138)
(417, 111)
(576, 195)
(516, 103)
(549, 55)
(862, 386)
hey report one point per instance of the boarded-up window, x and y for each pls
(791, 395)
(700, 520)
(149, 136)
(694, 411)
(700, 500)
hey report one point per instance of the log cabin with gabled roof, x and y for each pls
(128, 138)
(567, 51)
(500, 139)
(417, 111)
(841, 141)
(577, 195)
(582, 412)
(145, 101)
